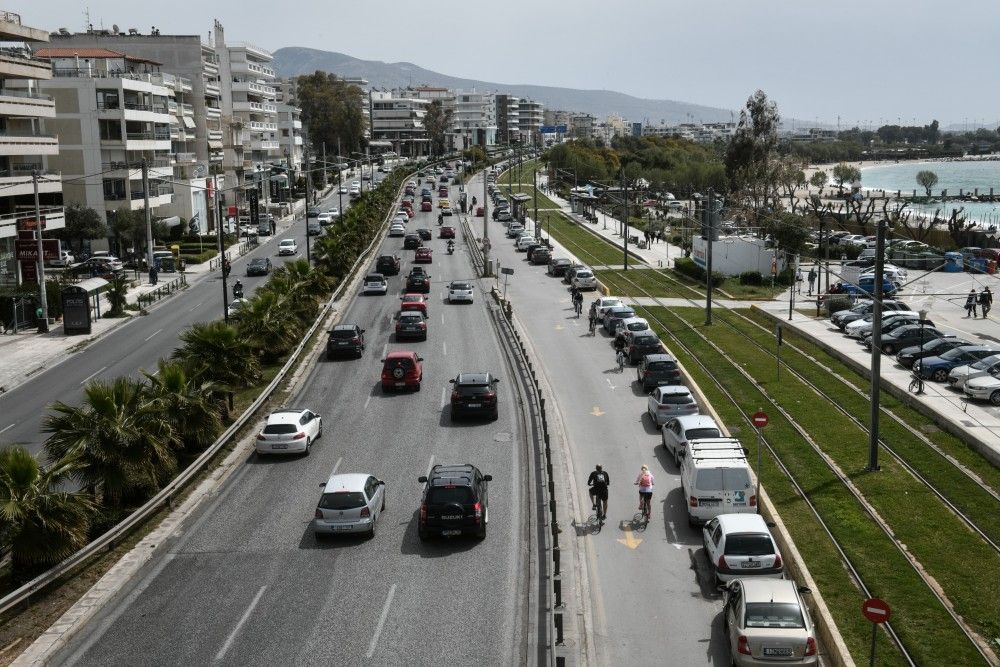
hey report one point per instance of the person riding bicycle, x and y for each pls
(577, 301)
(592, 316)
(598, 483)
(645, 483)
(440, 218)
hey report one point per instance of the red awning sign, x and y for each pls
(876, 610)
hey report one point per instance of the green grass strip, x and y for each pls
(580, 242)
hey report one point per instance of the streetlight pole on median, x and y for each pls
(149, 219)
(308, 198)
(43, 297)
(222, 249)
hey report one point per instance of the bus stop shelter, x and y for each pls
(82, 304)
(520, 201)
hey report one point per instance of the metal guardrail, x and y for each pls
(168, 288)
(165, 496)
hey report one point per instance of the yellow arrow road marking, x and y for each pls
(631, 541)
(597, 412)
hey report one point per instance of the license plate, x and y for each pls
(400, 384)
(475, 405)
(751, 564)
(451, 533)
(708, 503)
(783, 652)
(279, 446)
(342, 527)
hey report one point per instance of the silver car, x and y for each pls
(678, 430)
(766, 623)
(670, 401)
(351, 503)
(460, 290)
(375, 283)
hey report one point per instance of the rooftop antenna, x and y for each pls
(86, 19)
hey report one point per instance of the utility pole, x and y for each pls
(538, 228)
(625, 222)
(43, 298)
(222, 249)
(876, 346)
(149, 217)
(708, 224)
(308, 199)
(791, 293)
(487, 271)
(340, 180)
(324, 164)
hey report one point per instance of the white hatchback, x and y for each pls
(288, 247)
(631, 324)
(397, 229)
(740, 545)
(460, 290)
(351, 503)
(375, 283)
(289, 432)
(585, 279)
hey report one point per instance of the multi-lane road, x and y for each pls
(137, 344)
(245, 581)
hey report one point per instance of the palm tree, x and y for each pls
(122, 437)
(216, 352)
(269, 323)
(190, 406)
(39, 523)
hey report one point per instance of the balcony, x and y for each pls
(215, 135)
(251, 49)
(255, 107)
(14, 182)
(187, 109)
(252, 68)
(296, 124)
(18, 63)
(261, 126)
(264, 145)
(213, 113)
(28, 144)
(212, 89)
(25, 104)
(11, 30)
(147, 141)
(55, 218)
(254, 88)
(209, 66)
(185, 158)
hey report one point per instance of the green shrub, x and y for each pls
(676, 239)
(753, 278)
(687, 267)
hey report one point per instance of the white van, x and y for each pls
(716, 479)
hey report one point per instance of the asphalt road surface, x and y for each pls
(137, 344)
(246, 582)
(652, 593)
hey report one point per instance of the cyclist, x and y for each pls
(598, 483)
(620, 350)
(578, 302)
(645, 483)
(592, 317)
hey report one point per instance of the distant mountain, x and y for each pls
(294, 60)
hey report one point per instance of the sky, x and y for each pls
(862, 61)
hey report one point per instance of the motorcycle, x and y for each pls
(451, 248)
(237, 292)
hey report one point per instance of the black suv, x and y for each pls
(418, 281)
(474, 394)
(387, 265)
(656, 369)
(455, 502)
(640, 344)
(411, 242)
(345, 339)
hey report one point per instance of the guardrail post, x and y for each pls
(557, 592)
(558, 619)
(555, 561)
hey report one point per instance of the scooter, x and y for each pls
(237, 292)
(451, 248)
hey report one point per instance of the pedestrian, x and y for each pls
(812, 279)
(985, 301)
(152, 275)
(970, 304)
(798, 280)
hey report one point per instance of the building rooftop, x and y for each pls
(88, 52)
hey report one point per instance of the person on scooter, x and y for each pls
(451, 247)
(237, 289)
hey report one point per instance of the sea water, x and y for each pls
(965, 175)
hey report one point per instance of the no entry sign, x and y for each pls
(760, 419)
(876, 610)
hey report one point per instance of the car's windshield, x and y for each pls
(773, 615)
(983, 364)
(953, 354)
(342, 500)
(695, 433)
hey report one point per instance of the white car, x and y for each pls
(342, 190)
(334, 213)
(64, 259)
(676, 433)
(860, 328)
(523, 242)
(631, 324)
(289, 432)
(351, 503)
(460, 290)
(959, 376)
(397, 229)
(603, 303)
(514, 230)
(740, 545)
(984, 388)
(355, 184)
(288, 247)
(585, 279)
(670, 400)
(324, 218)
(234, 306)
(375, 283)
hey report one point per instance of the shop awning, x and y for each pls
(189, 123)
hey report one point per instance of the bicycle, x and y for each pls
(917, 385)
(578, 307)
(620, 358)
(593, 325)
(645, 500)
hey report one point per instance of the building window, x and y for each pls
(107, 99)
(114, 189)
(111, 130)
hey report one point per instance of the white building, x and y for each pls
(399, 122)
(25, 147)
(529, 121)
(474, 122)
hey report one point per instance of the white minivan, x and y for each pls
(716, 479)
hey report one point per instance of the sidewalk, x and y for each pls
(27, 353)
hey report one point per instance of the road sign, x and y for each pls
(876, 610)
(760, 419)
(507, 271)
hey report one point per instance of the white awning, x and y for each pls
(189, 122)
(217, 145)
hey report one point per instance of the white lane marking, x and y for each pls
(443, 393)
(442, 317)
(243, 619)
(367, 401)
(610, 384)
(97, 372)
(381, 621)
(430, 465)
(6, 428)
(444, 348)
(385, 348)
(152, 334)
(336, 465)
(196, 305)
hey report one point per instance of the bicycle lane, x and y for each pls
(651, 592)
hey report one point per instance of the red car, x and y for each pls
(423, 256)
(442, 192)
(447, 233)
(402, 370)
(406, 203)
(427, 207)
(413, 301)
(479, 212)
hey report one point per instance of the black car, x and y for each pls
(474, 394)
(424, 234)
(455, 502)
(345, 339)
(259, 266)
(908, 355)
(387, 265)
(907, 335)
(418, 282)
(410, 324)
(532, 247)
(541, 256)
(558, 266)
(312, 213)
(657, 369)
(411, 242)
(642, 343)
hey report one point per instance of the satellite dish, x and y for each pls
(200, 171)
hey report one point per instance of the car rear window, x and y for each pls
(749, 544)
(278, 429)
(675, 399)
(444, 495)
(342, 500)
(411, 316)
(695, 433)
(472, 389)
(374, 278)
(723, 479)
(462, 286)
(398, 363)
(661, 366)
(773, 615)
(342, 333)
(644, 340)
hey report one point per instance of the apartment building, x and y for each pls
(398, 122)
(530, 115)
(25, 145)
(113, 112)
(196, 142)
(474, 122)
(582, 125)
(507, 118)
